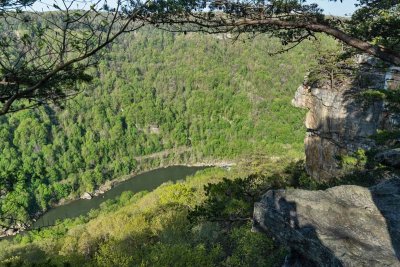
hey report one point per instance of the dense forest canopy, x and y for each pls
(157, 97)
(47, 57)
(43, 54)
(155, 91)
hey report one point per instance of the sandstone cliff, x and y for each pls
(353, 108)
(339, 122)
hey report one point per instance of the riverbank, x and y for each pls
(108, 186)
(112, 183)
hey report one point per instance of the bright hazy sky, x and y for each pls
(336, 8)
(330, 8)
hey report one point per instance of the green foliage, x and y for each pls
(190, 97)
(246, 247)
(182, 255)
(176, 194)
(153, 229)
(112, 254)
(360, 168)
(327, 69)
(230, 201)
(371, 96)
(390, 97)
(357, 160)
(377, 21)
(186, 98)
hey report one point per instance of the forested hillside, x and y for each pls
(203, 221)
(196, 97)
(94, 94)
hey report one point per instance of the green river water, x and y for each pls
(145, 181)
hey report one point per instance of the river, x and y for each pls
(145, 181)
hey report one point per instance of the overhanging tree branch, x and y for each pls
(62, 47)
(287, 20)
(374, 50)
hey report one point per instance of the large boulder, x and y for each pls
(86, 195)
(342, 226)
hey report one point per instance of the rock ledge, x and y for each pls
(341, 226)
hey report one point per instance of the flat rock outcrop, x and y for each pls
(338, 122)
(341, 226)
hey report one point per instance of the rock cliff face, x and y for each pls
(341, 226)
(338, 122)
(345, 225)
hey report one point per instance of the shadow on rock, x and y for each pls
(386, 197)
(283, 224)
(346, 225)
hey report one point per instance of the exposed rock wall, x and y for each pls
(341, 226)
(345, 225)
(338, 123)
